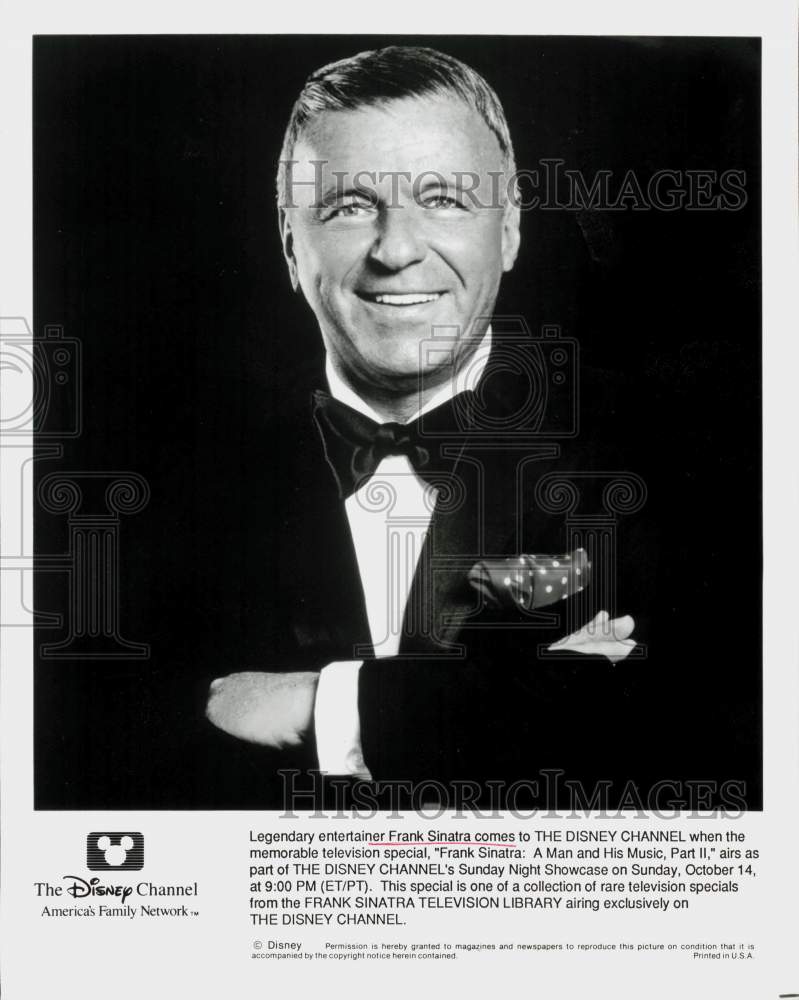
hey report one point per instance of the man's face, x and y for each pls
(401, 229)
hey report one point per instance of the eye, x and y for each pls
(442, 201)
(350, 210)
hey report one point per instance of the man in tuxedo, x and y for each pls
(407, 629)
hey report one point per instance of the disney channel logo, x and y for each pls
(114, 851)
(81, 888)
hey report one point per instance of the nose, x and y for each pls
(399, 241)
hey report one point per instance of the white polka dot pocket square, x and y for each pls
(531, 581)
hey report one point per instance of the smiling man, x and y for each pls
(396, 654)
(403, 233)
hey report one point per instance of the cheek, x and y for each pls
(474, 252)
(487, 251)
(329, 261)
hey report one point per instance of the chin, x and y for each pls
(391, 357)
(387, 371)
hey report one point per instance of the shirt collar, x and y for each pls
(466, 379)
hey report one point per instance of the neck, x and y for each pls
(397, 405)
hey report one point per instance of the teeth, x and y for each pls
(411, 299)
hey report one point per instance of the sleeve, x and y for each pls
(337, 724)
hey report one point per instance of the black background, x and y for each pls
(155, 244)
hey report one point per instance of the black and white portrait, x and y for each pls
(410, 445)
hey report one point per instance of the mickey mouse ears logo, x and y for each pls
(114, 851)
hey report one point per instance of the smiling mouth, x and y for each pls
(400, 298)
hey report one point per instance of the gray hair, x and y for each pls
(376, 77)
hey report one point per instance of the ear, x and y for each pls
(126, 843)
(103, 843)
(511, 234)
(287, 238)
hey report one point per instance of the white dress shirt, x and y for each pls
(389, 517)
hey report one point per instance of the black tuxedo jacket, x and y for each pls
(473, 695)
(243, 561)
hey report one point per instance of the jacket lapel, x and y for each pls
(326, 609)
(487, 444)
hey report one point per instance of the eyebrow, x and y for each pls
(461, 184)
(438, 182)
(336, 193)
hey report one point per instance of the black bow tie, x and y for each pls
(355, 445)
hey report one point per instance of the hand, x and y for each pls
(275, 710)
(602, 636)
